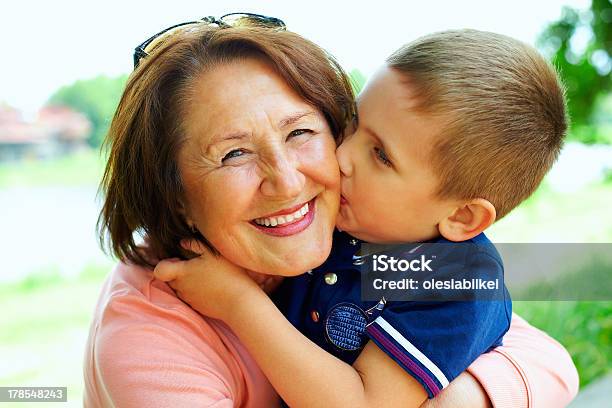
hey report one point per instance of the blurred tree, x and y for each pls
(580, 45)
(97, 98)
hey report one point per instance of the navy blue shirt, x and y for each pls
(433, 340)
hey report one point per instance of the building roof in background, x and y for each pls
(53, 123)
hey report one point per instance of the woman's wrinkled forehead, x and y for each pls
(236, 99)
(234, 133)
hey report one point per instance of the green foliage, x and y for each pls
(607, 179)
(358, 80)
(580, 44)
(97, 98)
(44, 329)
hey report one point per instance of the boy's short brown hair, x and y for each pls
(502, 106)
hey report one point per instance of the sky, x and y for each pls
(47, 44)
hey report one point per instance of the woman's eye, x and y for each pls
(232, 154)
(382, 156)
(298, 132)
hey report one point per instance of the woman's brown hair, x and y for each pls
(141, 183)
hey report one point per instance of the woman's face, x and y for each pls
(259, 171)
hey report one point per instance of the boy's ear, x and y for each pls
(468, 220)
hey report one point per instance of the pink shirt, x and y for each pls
(531, 369)
(147, 348)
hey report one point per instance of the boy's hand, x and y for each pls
(210, 284)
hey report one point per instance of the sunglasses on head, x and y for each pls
(228, 20)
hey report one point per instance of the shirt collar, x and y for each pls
(347, 251)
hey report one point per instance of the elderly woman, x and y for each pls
(174, 173)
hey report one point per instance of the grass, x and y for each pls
(44, 327)
(80, 169)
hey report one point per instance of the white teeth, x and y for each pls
(274, 221)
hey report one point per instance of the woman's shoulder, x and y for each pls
(131, 297)
(130, 280)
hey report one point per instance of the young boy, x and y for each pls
(454, 131)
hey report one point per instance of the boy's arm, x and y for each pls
(301, 372)
(306, 375)
(529, 370)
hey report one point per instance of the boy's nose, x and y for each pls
(344, 159)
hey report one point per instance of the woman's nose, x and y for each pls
(283, 177)
(344, 159)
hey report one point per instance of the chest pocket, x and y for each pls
(345, 326)
(346, 322)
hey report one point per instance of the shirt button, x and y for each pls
(314, 315)
(353, 242)
(330, 278)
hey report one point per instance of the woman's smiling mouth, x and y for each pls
(287, 222)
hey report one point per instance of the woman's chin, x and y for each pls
(302, 260)
(304, 265)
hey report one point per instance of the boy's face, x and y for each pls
(387, 182)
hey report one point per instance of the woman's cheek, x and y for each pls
(319, 157)
(238, 185)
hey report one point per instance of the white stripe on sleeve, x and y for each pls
(412, 350)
